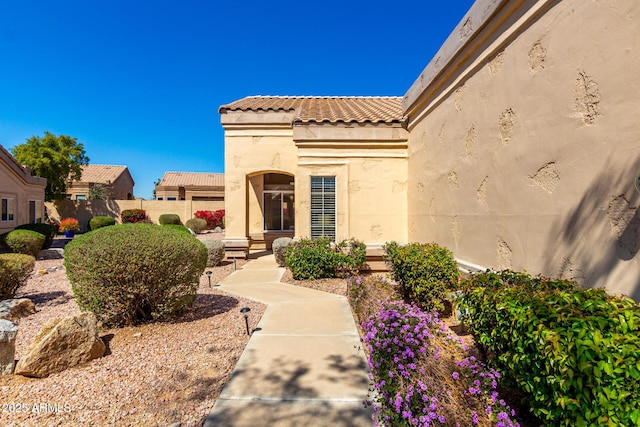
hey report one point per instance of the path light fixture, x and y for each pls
(246, 311)
(208, 273)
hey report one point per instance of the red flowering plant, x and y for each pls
(214, 218)
(68, 224)
(133, 215)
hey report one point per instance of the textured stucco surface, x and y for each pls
(525, 156)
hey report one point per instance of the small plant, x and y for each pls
(366, 294)
(415, 385)
(101, 221)
(165, 219)
(133, 216)
(214, 218)
(133, 273)
(23, 242)
(197, 225)
(215, 252)
(68, 224)
(278, 247)
(310, 259)
(49, 231)
(425, 272)
(15, 269)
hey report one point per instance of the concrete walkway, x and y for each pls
(304, 366)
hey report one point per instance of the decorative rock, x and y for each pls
(217, 230)
(61, 344)
(8, 332)
(17, 308)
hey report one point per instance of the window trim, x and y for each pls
(38, 213)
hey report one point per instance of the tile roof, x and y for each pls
(103, 174)
(182, 179)
(332, 109)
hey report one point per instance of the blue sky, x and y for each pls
(139, 83)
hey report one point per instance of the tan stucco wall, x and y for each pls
(83, 210)
(15, 187)
(524, 141)
(263, 145)
(368, 161)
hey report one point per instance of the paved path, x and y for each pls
(303, 367)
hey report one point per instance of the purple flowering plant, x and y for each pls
(422, 375)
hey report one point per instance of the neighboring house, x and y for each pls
(516, 147)
(114, 182)
(202, 186)
(21, 194)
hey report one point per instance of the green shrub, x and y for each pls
(278, 246)
(310, 259)
(574, 353)
(132, 273)
(425, 272)
(49, 231)
(215, 251)
(23, 242)
(169, 219)
(178, 227)
(133, 216)
(101, 221)
(197, 225)
(14, 272)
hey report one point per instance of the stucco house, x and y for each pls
(516, 147)
(315, 166)
(202, 186)
(116, 183)
(21, 194)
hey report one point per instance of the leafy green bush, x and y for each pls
(425, 272)
(197, 225)
(165, 219)
(215, 252)
(23, 242)
(132, 273)
(101, 221)
(278, 246)
(133, 216)
(14, 272)
(179, 227)
(310, 259)
(574, 353)
(49, 231)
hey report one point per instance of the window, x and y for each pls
(171, 198)
(279, 210)
(323, 207)
(35, 211)
(159, 198)
(81, 197)
(8, 209)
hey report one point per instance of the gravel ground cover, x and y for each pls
(152, 375)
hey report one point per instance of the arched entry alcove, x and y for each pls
(271, 208)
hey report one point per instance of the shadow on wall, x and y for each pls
(601, 233)
(83, 211)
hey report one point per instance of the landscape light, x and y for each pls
(245, 311)
(208, 273)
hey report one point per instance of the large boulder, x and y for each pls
(8, 332)
(61, 344)
(16, 308)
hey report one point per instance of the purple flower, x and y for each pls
(455, 375)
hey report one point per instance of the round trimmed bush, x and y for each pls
(101, 221)
(197, 225)
(178, 227)
(23, 242)
(215, 252)
(14, 272)
(49, 231)
(133, 273)
(278, 246)
(165, 219)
